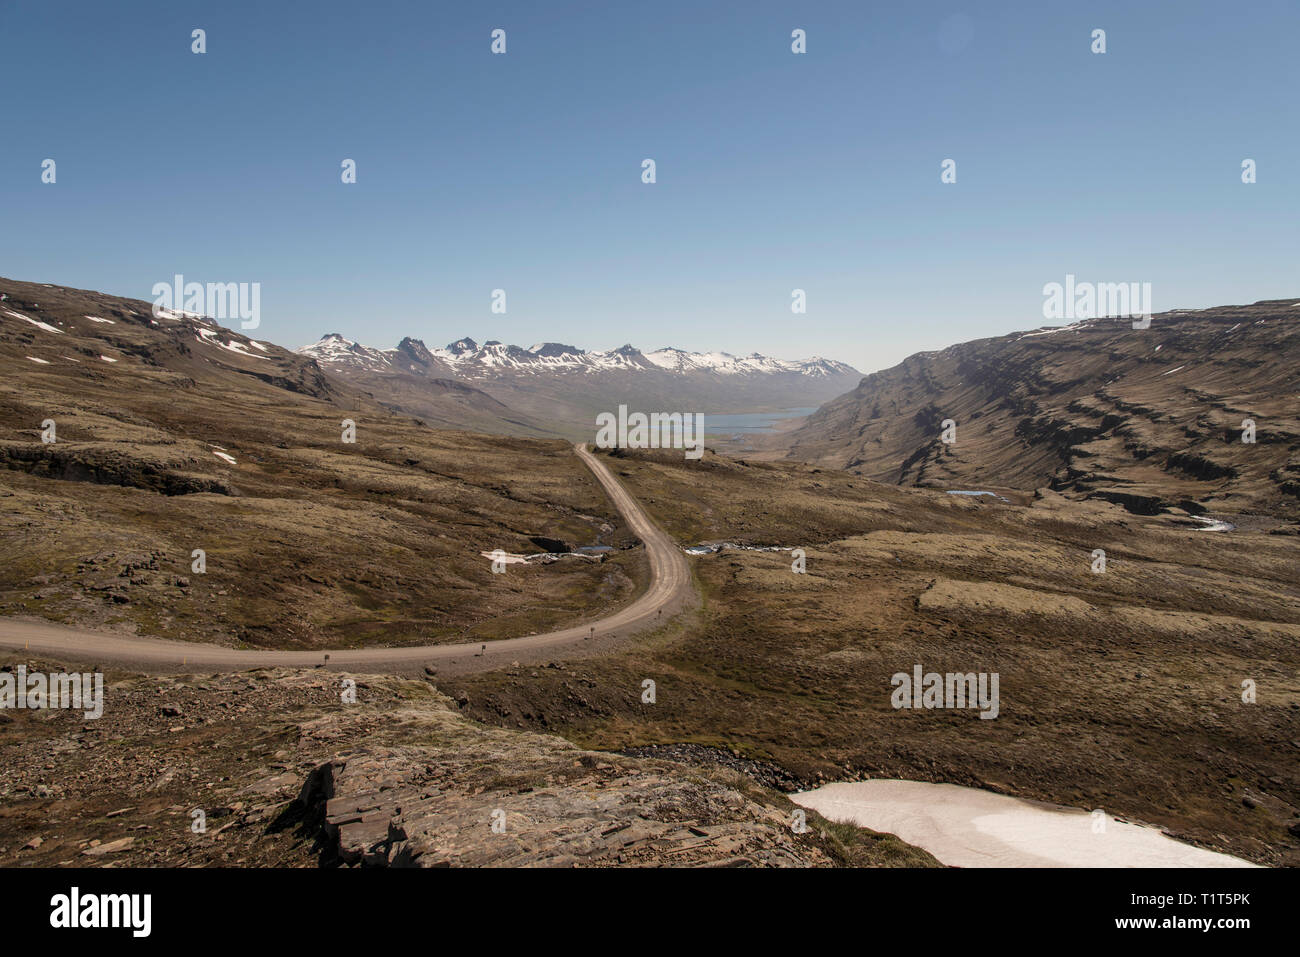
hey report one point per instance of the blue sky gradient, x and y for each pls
(775, 171)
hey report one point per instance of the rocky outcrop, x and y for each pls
(105, 464)
(486, 797)
(286, 773)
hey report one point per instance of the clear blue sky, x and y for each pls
(775, 171)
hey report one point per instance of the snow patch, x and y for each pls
(1213, 524)
(42, 325)
(1053, 330)
(211, 337)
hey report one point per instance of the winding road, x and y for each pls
(670, 591)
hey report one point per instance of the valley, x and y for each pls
(1120, 691)
(685, 648)
(555, 389)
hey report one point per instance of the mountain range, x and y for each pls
(557, 389)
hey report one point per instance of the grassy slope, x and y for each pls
(1119, 690)
(310, 542)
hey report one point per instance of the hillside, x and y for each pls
(287, 777)
(1120, 690)
(173, 434)
(1150, 419)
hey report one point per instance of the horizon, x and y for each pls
(1047, 324)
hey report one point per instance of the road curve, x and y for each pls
(670, 591)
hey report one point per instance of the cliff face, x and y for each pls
(1149, 418)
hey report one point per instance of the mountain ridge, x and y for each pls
(1148, 418)
(554, 388)
(466, 356)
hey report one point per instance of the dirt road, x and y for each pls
(670, 591)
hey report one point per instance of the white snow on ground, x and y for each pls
(70, 359)
(1172, 371)
(970, 827)
(111, 322)
(1053, 330)
(505, 559)
(1214, 524)
(539, 558)
(238, 347)
(210, 337)
(43, 325)
(225, 458)
(43, 362)
(178, 314)
(724, 363)
(1046, 332)
(107, 359)
(257, 345)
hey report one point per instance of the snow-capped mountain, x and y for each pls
(558, 387)
(723, 363)
(465, 358)
(334, 350)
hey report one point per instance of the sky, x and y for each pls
(775, 171)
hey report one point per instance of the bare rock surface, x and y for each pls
(284, 773)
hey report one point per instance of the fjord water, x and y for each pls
(731, 423)
(970, 827)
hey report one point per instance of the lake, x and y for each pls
(751, 423)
